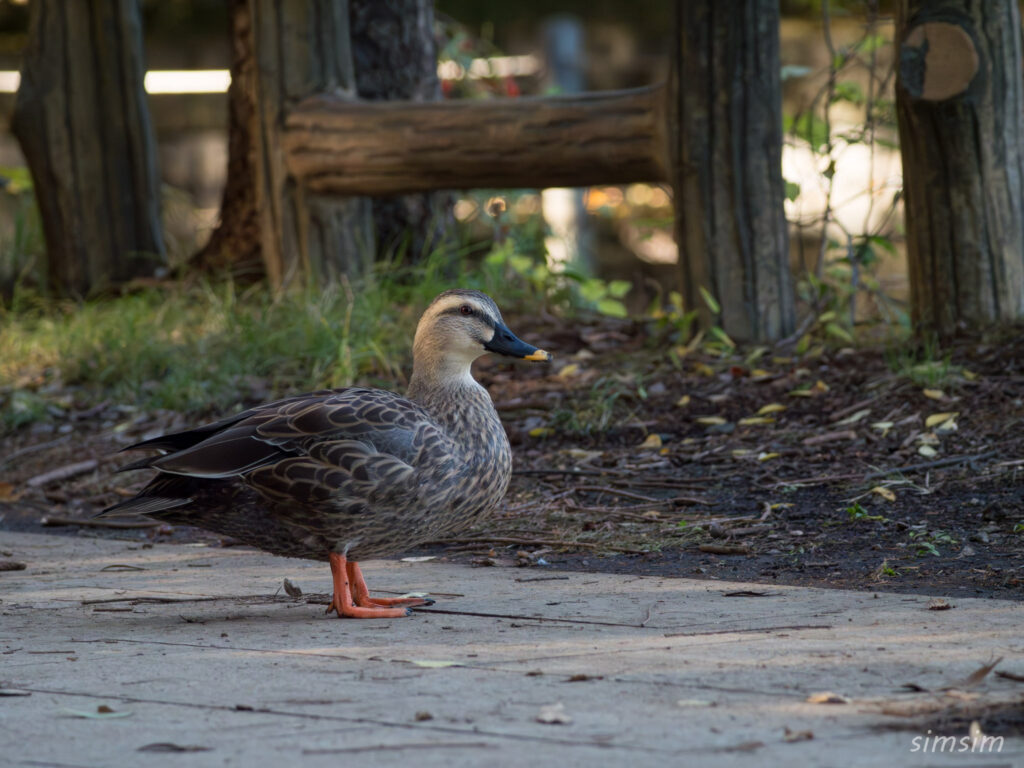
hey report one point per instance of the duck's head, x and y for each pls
(461, 325)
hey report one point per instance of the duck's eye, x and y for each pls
(466, 309)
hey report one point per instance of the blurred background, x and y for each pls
(841, 160)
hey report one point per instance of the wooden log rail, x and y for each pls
(338, 146)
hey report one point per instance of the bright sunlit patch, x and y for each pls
(188, 81)
(157, 81)
(495, 66)
(9, 81)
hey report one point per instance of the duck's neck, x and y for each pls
(449, 392)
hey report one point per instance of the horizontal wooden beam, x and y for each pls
(346, 147)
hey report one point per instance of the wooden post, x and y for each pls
(302, 48)
(726, 143)
(959, 100)
(82, 121)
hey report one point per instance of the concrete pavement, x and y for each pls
(203, 660)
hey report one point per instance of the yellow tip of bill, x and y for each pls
(538, 356)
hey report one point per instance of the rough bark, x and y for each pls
(302, 48)
(396, 59)
(960, 102)
(336, 146)
(726, 142)
(82, 122)
(235, 244)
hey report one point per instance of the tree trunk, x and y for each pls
(726, 141)
(83, 124)
(235, 243)
(959, 101)
(385, 148)
(302, 48)
(396, 59)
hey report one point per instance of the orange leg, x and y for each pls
(361, 595)
(342, 602)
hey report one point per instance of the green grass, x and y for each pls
(211, 346)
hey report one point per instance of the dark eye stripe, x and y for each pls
(476, 313)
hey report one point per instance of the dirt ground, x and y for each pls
(881, 469)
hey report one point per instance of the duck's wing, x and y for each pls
(308, 448)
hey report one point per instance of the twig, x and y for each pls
(831, 437)
(581, 472)
(32, 449)
(947, 462)
(618, 492)
(56, 520)
(63, 473)
(533, 542)
(661, 484)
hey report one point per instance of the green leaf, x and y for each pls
(619, 288)
(709, 300)
(792, 190)
(722, 336)
(884, 242)
(834, 329)
(810, 128)
(846, 90)
(611, 307)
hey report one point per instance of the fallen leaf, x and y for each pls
(978, 675)
(884, 492)
(583, 455)
(744, 746)
(934, 394)
(792, 736)
(767, 456)
(7, 492)
(568, 371)
(725, 549)
(938, 604)
(970, 375)
(854, 418)
(760, 373)
(883, 427)
(651, 442)
(541, 432)
(554, 714)
(168, 747)
(940, 418)
(704, 369)
(102, 712)
(683, 401)
(711, 421)
(764, 410)
(927, 451)
(434, 664)
(291, 589)
(1005, 675)
(753, 420)
(827, 697)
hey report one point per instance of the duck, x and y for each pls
(349, 474)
